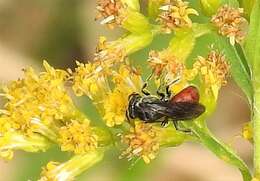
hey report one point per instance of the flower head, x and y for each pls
(109, 11)
(40, 97)
(110, 53)
(175, 15)
(126, 81)
(164, 61)
(89, 79)
(230, 23)
(142, 141)
(213, 70)
(77, 137)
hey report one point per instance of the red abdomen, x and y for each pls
(189, 94)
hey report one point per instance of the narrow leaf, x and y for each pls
(221, 150)
(239, 70)
(252, 45)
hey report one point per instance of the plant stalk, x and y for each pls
(256, 130)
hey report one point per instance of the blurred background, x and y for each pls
(61, 32)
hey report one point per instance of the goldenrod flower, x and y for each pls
(110, 53)
(37, 98)
(175, 15)
(142, 141)
(89, 79)
(230, 23)
(126, 82)
(115, 106)
(213, 71)
(165, 61)
(110, 12)
(77, 137)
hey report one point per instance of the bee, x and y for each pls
(149, 108)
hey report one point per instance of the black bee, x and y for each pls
(150, 109)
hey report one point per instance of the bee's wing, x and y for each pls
(181, 110)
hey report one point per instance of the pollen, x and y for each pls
(40, 97)
(77, 137)
(48, 173)
(175, 15)
(89, 79)
(126, 81)
(214, 70)
(109, 11)
(164, 61)
(230, 23)
(142, 142)
(109, 53)
(115, 107)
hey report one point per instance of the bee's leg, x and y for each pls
(144, 90)
(161, 95)
(127, 116)
(165, 121)
(175, 123)
(168, 91)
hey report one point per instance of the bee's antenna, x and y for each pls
(174, 81)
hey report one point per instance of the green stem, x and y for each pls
(221, 150)
(256, 130)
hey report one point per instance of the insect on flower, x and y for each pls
(149, 108)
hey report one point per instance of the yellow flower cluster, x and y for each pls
(230, 23)
(142, 141)
(213, 71)
(37, 98)
(165, 61)
(110, 12)
(109, 53)
(126, 81)
(89, 79)
(175, 15)
(77, 137)
(49, 173)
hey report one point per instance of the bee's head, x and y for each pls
(133, 96)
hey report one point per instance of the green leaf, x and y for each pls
(221, 150)
(239, 69)
(182, 43)
(247, 5)
(209, 7)
(252, 48)
(252, 45)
